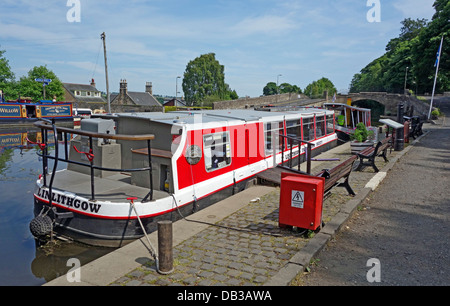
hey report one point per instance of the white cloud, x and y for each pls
(415, 8)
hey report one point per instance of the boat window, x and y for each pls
(330, 124)
(270, 130)
(308, 129)
(217, 150)
(293, 129)
(320, 126)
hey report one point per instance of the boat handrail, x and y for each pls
(297, 139)
(47, 125)
(299, 142)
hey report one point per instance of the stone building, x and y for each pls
(132, 101)
(84, 95)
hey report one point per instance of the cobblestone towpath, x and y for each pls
(248, 247)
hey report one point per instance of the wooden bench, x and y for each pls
(370, 154)
(334, 175)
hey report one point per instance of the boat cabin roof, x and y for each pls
(344, 106)
(231, 116)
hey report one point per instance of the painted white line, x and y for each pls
(374, 181)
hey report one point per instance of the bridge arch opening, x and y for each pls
(377, 109)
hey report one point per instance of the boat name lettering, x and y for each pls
(69, 201)
(10, 109)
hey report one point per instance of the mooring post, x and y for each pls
(165, 250)
(399, 133)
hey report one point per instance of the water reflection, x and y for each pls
(22, 260)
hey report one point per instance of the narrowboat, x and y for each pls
(130, 167)
(347, 117)
(25, 111)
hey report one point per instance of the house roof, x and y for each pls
(140, 98)
(177, 102)
(80, 87)
(71, 88)
(143, 98)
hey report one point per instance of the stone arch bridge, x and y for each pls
(390, 101)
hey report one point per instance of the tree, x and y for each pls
(424, 51)
(7, 79)
(415, 48)
(204, 77)
(317, 88)
(28, 87)
(387, 73)
(272, 89)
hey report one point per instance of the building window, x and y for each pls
(83, 94)
(217, 150)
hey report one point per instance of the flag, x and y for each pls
(438, 55)
(334, 98)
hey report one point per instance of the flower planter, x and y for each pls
(357, 146)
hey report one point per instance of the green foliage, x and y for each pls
(170, 109)
(28, 87)
(204, 80)
(7, 83)
(272, 89)
(436, 113)
(317, 88)
(361, 134)
(416, 49)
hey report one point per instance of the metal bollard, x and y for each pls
(165, 250)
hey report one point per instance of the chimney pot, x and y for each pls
(123, 86)
(149, 87)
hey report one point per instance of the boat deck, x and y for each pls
(114, 188)
(273, 175)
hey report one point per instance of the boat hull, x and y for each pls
(114, 231)
(117, 232)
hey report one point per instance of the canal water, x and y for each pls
(22, 261)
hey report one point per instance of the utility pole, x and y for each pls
(103, 37)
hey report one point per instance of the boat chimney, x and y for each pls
(149, 87)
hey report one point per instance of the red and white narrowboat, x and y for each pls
(167, 164)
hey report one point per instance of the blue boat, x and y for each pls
(26, 111)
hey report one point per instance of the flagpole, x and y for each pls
(435, 77)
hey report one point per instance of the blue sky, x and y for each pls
(152, 41)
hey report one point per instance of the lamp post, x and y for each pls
(278, 91)
(176, 89)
